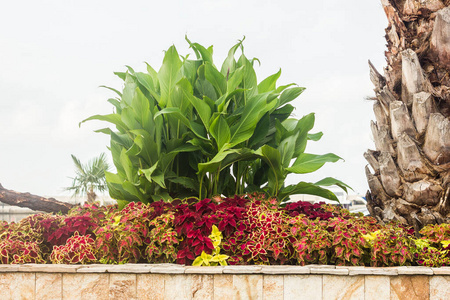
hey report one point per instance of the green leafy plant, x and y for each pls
(193, 129)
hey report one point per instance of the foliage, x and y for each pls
(78, 249)
(262, 236)
(123, 238)
(193, 129)
(434, 246)
(89, 177)
(248, 229)
(19, 252)
(163, 240)
(216, 258)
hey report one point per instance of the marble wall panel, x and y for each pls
(150, 286)
(86, 286)
(410, 287)
(377, 288)
(248, 287)
(223, 287)
(17, 286)
(439, 287)
(201, 287)
(303, 287)
(273, 287)
(48, 286)
(122, 286)
(343, 287)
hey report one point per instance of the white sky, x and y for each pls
(55, 54)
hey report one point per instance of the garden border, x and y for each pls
(172, 281)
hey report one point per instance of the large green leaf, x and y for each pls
(272, 157)
(249, 81)
(154, 175)
(305, 188)
(147, 81)
(202, 108)
(216, 78)
(304, 125)
(169, 74)
(220, 131)
(290, 94)
(269, 84)
(229, 64)
(307, 163)
(252, 113)
(111, 118)
(235, 79)
(330, 181)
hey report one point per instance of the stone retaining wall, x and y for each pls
(169, 281)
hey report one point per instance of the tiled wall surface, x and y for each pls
(167, 281)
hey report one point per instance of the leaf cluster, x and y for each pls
(192, 129)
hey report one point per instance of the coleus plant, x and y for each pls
(192, 129)
(215, 258)
(78, 249)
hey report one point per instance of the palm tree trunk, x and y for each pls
(91, 195)
(409, 179)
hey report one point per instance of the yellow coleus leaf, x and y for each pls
(445, 243)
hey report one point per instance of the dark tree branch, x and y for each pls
(33, 202)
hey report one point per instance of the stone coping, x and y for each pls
(182, 269)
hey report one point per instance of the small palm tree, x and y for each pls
(90, 177)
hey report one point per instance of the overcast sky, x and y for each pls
(54, 55)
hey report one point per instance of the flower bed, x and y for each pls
(247, 230)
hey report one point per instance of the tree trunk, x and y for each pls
(410, 176)
(33, 202)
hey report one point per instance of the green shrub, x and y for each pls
(191, 129)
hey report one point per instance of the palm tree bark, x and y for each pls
(409, 179)
(33, 202)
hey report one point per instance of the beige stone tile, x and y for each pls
(167, 269)
(150, 286)
(200, 287)
(248, 287)
(343, 287)
(242, 270)
(129, 268)
(410, 287)
(17, 285)
(377, 288)
(85, 286)
(372, 271)
(303, 287)
(203, 270)
(439, 287)
(415, 270)
(48, 286)
(329, 271)
(48, 268)
(122, 286)
(441, 271)
(273, 288)
(223, 287)
(9, 268)
(176, 287)
(285, 270)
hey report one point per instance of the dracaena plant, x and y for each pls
(192, 129)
